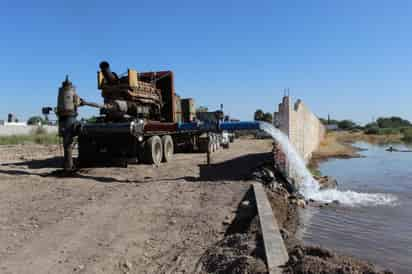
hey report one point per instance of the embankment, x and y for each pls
(339, 144)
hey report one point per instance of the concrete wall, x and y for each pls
(9, 129)
(303, 128)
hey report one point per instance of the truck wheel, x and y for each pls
(153, 152)
(168, 148)
(210, 148)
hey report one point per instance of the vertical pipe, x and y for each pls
(68, 153)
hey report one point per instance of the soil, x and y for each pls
(179, 217)
(143, 219)
(241, 251)
(316, 260)
(335, 145)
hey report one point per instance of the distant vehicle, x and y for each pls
(232, 137)
(225, 139)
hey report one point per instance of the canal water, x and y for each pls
(381, 234)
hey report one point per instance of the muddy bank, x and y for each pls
(317, 260)
(339, 144)
(335, 145)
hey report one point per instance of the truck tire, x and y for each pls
(168, 148)
(210, 148)
(153, 152)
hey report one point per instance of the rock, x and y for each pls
(336, 202)
(292, 197)
(299, 253)
(301, 203)
(245, 204)
(226, 222)
(78, 268)
(284, 233)
(125, 266)
(264, 175)
(128, 265)
(326, 182)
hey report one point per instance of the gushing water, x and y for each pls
(309, 187)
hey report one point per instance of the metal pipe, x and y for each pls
(91, 104)
(110, 77)
(68, 152)
(230, 126)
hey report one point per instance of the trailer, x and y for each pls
(149, 142)
(141, 120)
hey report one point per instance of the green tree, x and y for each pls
(267, 117)
(346, 124)
(35, 120)
(371, 125)
(392, 122)
(259, 114)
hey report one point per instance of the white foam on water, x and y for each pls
(310, 188)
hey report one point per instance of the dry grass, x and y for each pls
(351, 137)
(36, 137)
(335, 145)
(338, 144)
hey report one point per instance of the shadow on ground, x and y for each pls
(53, 162)
(236, 169)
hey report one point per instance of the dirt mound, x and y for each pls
(241, 250)
(237, 253)
(316, 260)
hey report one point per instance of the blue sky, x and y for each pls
(352, 59)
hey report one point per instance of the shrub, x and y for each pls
(392, 122)
(388, 131)
(346, 124)
(372, 130)
(382, 131)
(407, 135)
(35, 120)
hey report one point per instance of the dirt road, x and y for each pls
(142, 219)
